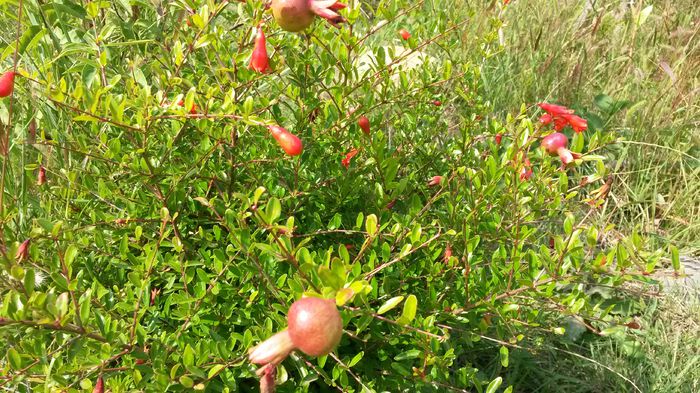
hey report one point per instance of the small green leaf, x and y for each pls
(69, 257)
(188, 356)
(390, 304)
(215, 370)
(29, 281)
(494, 385)
(14, 358)
(356, 359)
(410, 354)
(371, 225)
(186, 381)
(273, 210)
(504, 356)
(409, 308)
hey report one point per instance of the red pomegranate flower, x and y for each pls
(562, 116)
(346, 161)
(579, 124)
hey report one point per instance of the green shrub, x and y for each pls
(165, 244)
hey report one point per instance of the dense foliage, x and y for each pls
(154, 230)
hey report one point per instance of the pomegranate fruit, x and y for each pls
(7, 83)
(434, 181)
(448, 254)
(193, 108)
(297, 15)
(259, 60)
(499, 137)
(363, 122)
(99, 386)
(314, 327)
(289, 142)
(556, 144)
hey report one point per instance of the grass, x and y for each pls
(662, 356)
(581, 53)
(574, 51)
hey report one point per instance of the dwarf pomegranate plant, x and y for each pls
(166, 244)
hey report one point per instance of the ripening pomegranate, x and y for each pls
(297, 15)
(99, 385)
(259, 60)
(314, 327)
(499, 137)
(7, 83)
(434, 181)
(289, 142)
(404, 34)
(557, 143)
(193, 109)
(448, 254)
(363, 122)
(437, 103)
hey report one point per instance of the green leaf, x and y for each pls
(70, 254)
(215, 370)
(410, 354)
(273, 210)
(371, 225)
(356, 359)
(390, 304)
(188, 356)
(494, 385)
(409, 308)
(504, 356)
(186, 381)
(14, 359)
(29, 281)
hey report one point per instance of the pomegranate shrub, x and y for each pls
(201, 198)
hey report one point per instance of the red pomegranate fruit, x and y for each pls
(7, 83)
(556, 144)
(314, 327)
(434, 181)
(289, 142)
(363, 122)
(297, 15)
